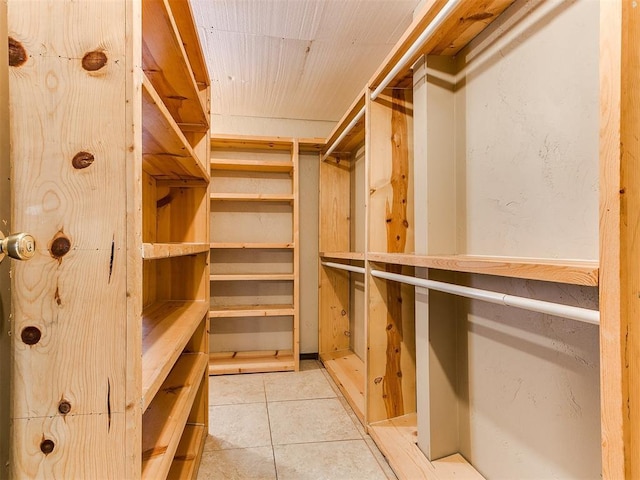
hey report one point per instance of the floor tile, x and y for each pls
(347, 460)
(317, 420)
(239, 426)
(235, 389)
(297, 386)
(310, 365)
(238, 464)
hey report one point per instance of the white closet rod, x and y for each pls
(344, 133)
(342, 266)
(557, 309)
(417, 45)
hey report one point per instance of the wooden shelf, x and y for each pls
(359, 256)
(166, 329)
(251, 165)
(151, 251)
(466, 21)
(348, 371)
(560, 271)
(252, 197)
(239, 142)
(231, 245)
(166, 152)
(166, 64)
(187, 457)
(164, 420)
(396, 438)
(355, 137)
(236, 311)
(258, 277)
(251, 362)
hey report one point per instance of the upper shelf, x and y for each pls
(467, 20)
(166, 152)
(249, 246)
(559, 271)
(252, 143)
(166, 64)
(252, 197)
(354, 136)
(343, 255)
(251, 165)
(151, 251)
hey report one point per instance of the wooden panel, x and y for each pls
(351, 113)
(252, 197)
(187, 457)
(68, 169)
(560, 271)
(334, 207)
(162, 47)
(295, 341)
(251, 165)
(396, 439)
(348, 371)
(251, 142)
(251, 245)
(252, 311)
(275, 277)
(164, 420)
(221, 363)
(343, 255)
(333, 303)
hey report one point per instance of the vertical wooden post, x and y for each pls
(619, 245)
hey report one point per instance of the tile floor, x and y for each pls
(286, 426)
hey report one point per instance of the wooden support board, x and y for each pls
(221, 363)
(348, 371)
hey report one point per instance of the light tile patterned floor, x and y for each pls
(286, 426)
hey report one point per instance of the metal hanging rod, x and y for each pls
(342, 266)
(557, 309)
(344, 133)
(417, 45)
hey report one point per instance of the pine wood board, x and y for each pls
(359, 256)
(252, 197)
(189, 453)
(560, 271)
(333, 315)
(165, 419)
(348, 371)
(152, 251)
(162, 47)
(166, 329)
(258, 277)
(247, 245)
(334, 208)
(396, 438)
(236, 311)
(356, 136)
(249, 142)
(251, 165)
(221, 363)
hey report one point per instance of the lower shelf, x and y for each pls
(221, 363)
(251, 311)
(396, 439)
(189, 452)
(164, 421)
(347, 370)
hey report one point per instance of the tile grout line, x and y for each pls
(273, 452)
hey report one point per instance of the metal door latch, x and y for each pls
(21, 246)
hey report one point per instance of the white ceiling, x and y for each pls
(300, 59)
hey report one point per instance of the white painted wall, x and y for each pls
(520, 179)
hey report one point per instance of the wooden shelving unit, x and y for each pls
(123, 379)
(254, 272)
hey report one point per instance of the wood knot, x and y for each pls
(60, 246)
(343, 312)
(480, 16)
(64, 407)
(377, 380)
(93, 61)
(47, 446)
(31, 335)
(82, 160)
(405, 223)
(17, 53)
(390, 326)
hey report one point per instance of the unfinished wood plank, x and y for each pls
(236, 311)
(248, 245)
(251, 142)
(221, 363)
(167, 327)
(164, 61)
(258, 277)
(166, 151)
(251, 165)
(397, 438)
(334, 207)
(560, 271)
(152, 251)
(295, 227)
(348, 371)
(343, 255)
(165, 419)
(187, 457)
(333, 316)
(352, 111)
(252, 197)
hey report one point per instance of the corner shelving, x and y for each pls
(254, 270)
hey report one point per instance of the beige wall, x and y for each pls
(516, 176)
(5, 221)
